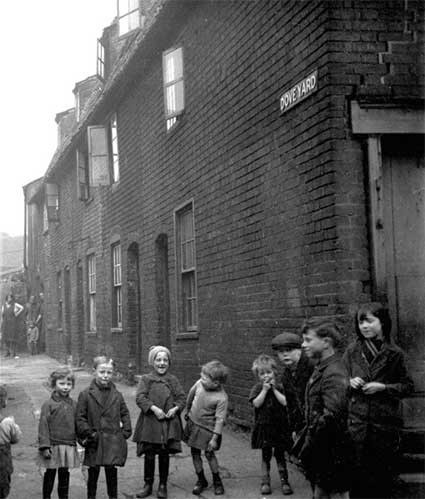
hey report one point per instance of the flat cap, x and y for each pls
(286, 340)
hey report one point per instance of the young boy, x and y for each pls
(10, 433)
(103, 424)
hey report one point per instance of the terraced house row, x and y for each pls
(232, 168)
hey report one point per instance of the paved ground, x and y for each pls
(26, 380)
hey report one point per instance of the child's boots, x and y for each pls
(284, 483)
(265, 485)
(200, 485)
(149, 472)
(218, 485)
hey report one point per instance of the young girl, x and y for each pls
(206, 408)
(10, 434)
(378, 380)
(103, 425)
(158, 429)
(56, 434)
(271, 424)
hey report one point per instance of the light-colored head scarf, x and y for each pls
(154, 351)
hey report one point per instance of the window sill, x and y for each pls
(115, 186)
(188, 335)
(116, 329)
(59, 329)
(91, 333)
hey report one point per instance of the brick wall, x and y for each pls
(279, 201)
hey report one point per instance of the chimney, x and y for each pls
(66, 122)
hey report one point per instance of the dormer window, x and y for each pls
(172, 63)
(100, 62)
(129, 16)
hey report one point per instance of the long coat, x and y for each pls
(326, 447)
(294, 383)
(374, 421)
(103, 426)
(164, 392)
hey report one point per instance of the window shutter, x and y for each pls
(52, 202)
(83, 187)
(98, 155)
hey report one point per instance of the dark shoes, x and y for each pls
(146, 491)
(286, 488)
(200, 485)
(265, 488)
(162, 491)
(218, 486)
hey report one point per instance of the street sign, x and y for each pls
(298, 92)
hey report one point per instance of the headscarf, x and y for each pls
(154, 351)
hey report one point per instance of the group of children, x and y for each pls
(100, 420)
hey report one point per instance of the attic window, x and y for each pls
(129, 17)
(100, 66)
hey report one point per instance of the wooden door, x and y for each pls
(404, 236)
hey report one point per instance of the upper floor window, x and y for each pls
(59, 300)
(186, 269)
(100, 61)
(52, 201)
(91, 270)
(82, 175)
(114, 148)
(129, 17)
(172, 65)
(116, 285)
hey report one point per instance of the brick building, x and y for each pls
(233, 168)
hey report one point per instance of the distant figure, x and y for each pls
(10, 312)
(32, 319)
(41, 325)
(271, 432)
(10, 433)
(378, 381)
(57, 442)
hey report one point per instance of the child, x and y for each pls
(56, 434)
(103, 425)
(158, 430)
(10, 433)
(271, 432)
(378, 380)
(206, 408)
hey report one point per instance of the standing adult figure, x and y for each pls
(10, 312)
(297, 369)
(326, 450)
(378, 381)
(32, 319)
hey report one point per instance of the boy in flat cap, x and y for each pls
(297, 369)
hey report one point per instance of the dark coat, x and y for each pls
(374, 420)
(326, 450)
(165, 392)
(104, 427)
(57, 422)
(294, 383)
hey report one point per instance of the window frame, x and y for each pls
(186, 275)
(114, 154)
(100, 59)
(91, 291)
(59, 288)
(172, 115)
(116, 251)
(127, 16)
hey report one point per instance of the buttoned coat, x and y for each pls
(164, 392)
(105, 426)
(326, 450)
(374, 421)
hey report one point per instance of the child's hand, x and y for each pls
(47, 453)
(172, 412)
(159, 413)
(356, 382)
(373, 387)
(212, 444)
(266, 386)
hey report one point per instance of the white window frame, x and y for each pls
(59, 300)
(113, 139)
(129, 16)
(100, 61)
(173, 81)
(187, 292)
(117, 286)
(91, 278)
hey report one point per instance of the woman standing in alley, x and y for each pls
(10, 313)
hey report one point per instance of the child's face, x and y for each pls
(370, 326)
(63, 386)
(289, 357)
(208, 383)
(103, 373)
(161, 363)
(314, 345)
(266, 375)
